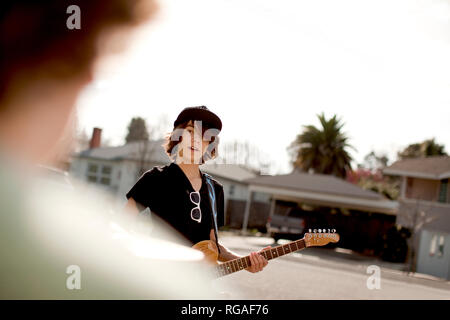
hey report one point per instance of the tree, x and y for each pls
(395, 244)
(414, 215)
(369, 176)
(375, 162)
(81, 141)
(375, 181)
(145, 138)
(245, 154)
(145, 150)
(423, 149)
(322, 150)
(137, 130)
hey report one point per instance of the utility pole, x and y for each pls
(411, 267)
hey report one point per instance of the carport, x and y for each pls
(317, 189)
(365, 206)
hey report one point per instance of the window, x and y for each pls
(97, 173)
(231, 192)
(92, 168)
(106, 170)
(441, 246)
(443, 191)
(437, 242)
(433, 245)
(92, 172)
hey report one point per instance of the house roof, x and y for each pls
(156, 153)
(322, 190)
(433, 167)
(228, 171)
(131, 151)
(320, 183)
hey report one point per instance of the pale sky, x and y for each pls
(269, 67)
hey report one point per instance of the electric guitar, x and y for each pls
(209, 249)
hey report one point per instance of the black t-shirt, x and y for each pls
(165, 191)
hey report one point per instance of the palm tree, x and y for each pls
(322, 150)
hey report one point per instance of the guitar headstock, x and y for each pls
(320, 237)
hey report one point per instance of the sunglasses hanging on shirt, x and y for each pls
(196, 213)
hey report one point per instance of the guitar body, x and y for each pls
(209, 249)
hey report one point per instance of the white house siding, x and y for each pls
(233, 189)
(434, 254)
(77, 169)
(261, 197)
(128, 179)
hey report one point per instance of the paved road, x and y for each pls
(302, 276)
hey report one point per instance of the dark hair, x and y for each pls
(35, 41)
(171, 142)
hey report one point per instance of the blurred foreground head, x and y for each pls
(48, 54)
(60, 242)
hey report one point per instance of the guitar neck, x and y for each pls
(272, 253)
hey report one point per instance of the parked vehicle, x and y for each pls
(286, 226)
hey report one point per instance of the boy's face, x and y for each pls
(193, 143)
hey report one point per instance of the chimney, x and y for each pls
(96, 138)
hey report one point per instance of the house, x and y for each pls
(116, 169)
(324, 201)
(232, 177)
(425, 207)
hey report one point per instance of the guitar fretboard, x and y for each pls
(272, 253)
